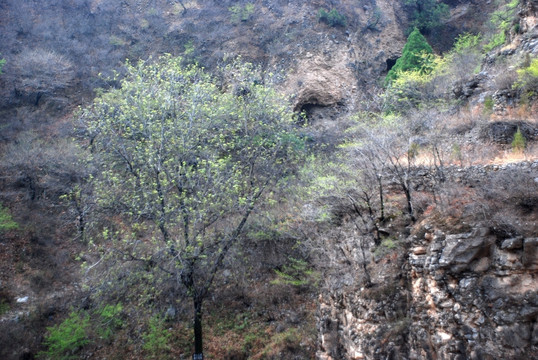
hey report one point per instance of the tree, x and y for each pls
(188, 161)
(427, 14)
(388, 146)
(412, 56)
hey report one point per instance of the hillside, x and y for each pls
(407, 231)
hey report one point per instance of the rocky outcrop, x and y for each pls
(473, 299)
(449, 294)
(466, 296)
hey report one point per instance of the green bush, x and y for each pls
(6, 221)
(332, 18)
(2, 63)
(65, 339)
(518, 144)
(4, 306)
(110, 320)
(156, 339)
(497, 40)
(528, 78)
(241, 13)
(427, 14)
(488, 105)
(503, 20)
(296, 273)
(465, 42)
(412, 58)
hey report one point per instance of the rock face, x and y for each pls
(449, 294)
(464, 297)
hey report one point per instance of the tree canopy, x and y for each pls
(427, 14)
(412, 58)
(187, 158)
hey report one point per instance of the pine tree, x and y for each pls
(412, 56)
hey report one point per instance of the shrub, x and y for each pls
(156, 339)
(297, 273)
(4, 306)
(465, 57)
(332, 18)
(2, 63)
(502, 20)
(528, 78)
(374, 20)
(110, 320)
(418, 89)
(412, 58)
(241, 13)
(496, 41)
(427, 14)
(518, 144)
(6, 222)
(65, 339)
(488, 105)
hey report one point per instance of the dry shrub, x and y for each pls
(505, 80)
(43, 70)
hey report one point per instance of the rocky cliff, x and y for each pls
(469, 293)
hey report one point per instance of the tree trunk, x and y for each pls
(407, 191)
(198, 346)
(381, 199)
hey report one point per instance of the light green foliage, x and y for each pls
(528, 78)
(518, 144)
(2, 63)
(427, 82)
(241, 13)
(65, 339)
(465, 57)
(505, 16)
(109, 320)
(466, 41)
(156, 339)
(6, 221)
(421, 88)
(289, 338)
(296, 273)
(333, 17)
(496, 41)
(427, 14)
(502, 19)
(173, 148)
(189, 48)
(188, 159)
(412, 58)
(387, 245)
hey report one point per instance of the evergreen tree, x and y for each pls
(427, 14)
(412, 58)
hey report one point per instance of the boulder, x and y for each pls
(462, 249)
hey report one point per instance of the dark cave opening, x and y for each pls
(390, 63)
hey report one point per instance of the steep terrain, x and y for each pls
(459, 283)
